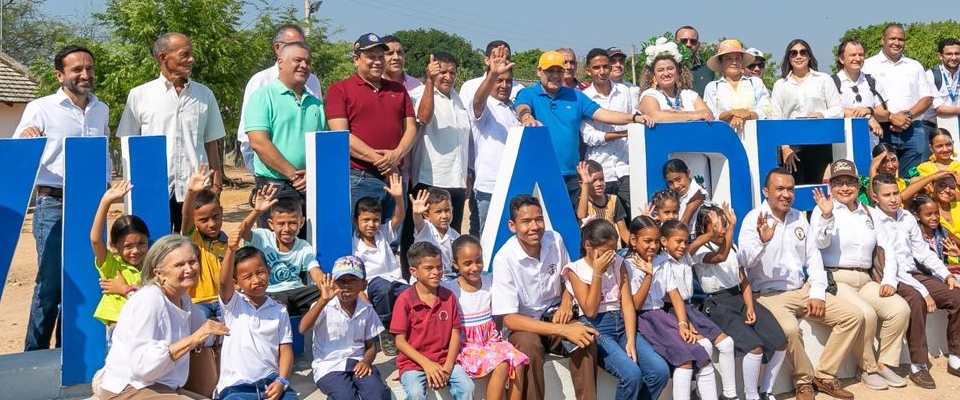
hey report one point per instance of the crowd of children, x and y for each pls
(657, 293)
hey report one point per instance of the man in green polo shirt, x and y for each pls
(278, 117)
(702, 75)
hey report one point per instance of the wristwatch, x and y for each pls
(634, 117)
(285, 382)
(909, 115)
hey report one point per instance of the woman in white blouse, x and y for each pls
(735, 97)
(158, 327)
(667, 96)
(804, 92)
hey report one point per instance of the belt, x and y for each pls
(930, 124)
(263, 181)
(731, 291)
(858, 269)
(364, 174)
(50, 191)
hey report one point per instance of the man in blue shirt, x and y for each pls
(561, 109)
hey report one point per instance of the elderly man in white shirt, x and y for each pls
(944, 80)
(184, 111)
(285, 35)
(774, 253)
(848, 254)
(861, 95)
(908, 97)
(607, 144)
(72, 111)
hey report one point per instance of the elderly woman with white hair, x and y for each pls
(158, 327)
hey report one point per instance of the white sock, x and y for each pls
(707, 345)
(751, 375)
(954, 361)
(681, 383)
(707, 383)
(914, 368)
(771, 371)
(728, 367)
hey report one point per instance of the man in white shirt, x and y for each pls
(774, 249)
(493, 118)
(73, 111)
(618, 68)
(184, 111)
(607, 144)
(908, 97)
(944, 80)
(469, 88)
(285, 35)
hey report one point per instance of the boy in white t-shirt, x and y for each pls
(344, 333)
(287, 255)
(257, 357)
(431, 219)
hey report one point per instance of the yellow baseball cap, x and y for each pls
(550, 59)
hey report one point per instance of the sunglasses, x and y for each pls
(798, 53)
(847, 183)
(757, 65)
(856, 90)
(689, 41)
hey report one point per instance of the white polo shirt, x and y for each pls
(948, 94)
(251, 351)
(338, 337)
(817, 93)
(525, 285)
(778, 264)
(58, 118)
(379, 259)
(716, 277)
(489, 138)
(904, 81)
(189, 120)
(612, 155)
(430, 234)
(681, 272)
(659, 287)
(909, 249)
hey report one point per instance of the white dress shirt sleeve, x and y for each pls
(816, 275)
(922, 253)
(129, 122)
(507, 300)
(925, 88)
(762, 106)
(710, 97)
(891, 269)
(776, 109)
(832, 97)
(29, 118)
(750, 248)
(591, 135)
(150, 359)
(214, 130)
(823, 229)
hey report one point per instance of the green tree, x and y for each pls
(29, 35)
(922, 39)
(525, 68)
(420, 43)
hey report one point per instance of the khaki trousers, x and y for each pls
(583, 365)
(891, 314)
(153, 392)
(844, 319)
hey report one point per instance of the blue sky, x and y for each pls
(768, 26)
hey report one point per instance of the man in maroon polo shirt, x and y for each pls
(379, 115)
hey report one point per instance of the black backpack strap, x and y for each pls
(873, 89)
(836, 81)
(937, 77)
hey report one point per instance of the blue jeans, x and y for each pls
(255, 391)
(415, 384)
(911, 145)
(483, 206)
(645, 378)
(383, 294)
(343, 385)
(363, 184)
(45, 308)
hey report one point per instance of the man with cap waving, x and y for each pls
(550, 104)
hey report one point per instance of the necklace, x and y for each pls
(677, 103)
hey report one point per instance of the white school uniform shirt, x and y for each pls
(612, 155)
(659, 287)
(189, 120)
(680, 272)
(338, 337)
(948, 94)
(431, 235)
(817, 93)
(778, 264)
(58, 118)
(848, 238)
(609, 282)
(257, 81)
(848, 98)
(716, 277)
(251, 351)
(140, 355)
(379, 259)
(475, 306)
(904, 81)
(750, 94)
(692, 190)
(469, 89)
(489, 139)
(909, 249)
(444, 145)
(525, 285)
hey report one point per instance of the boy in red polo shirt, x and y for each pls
(427, 321)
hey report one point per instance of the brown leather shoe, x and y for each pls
(805, 392)
(953, 371)
(923, 379)
(832, 387)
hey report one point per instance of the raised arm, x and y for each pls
(588, 294)
(419, 206)
(425, 106)
(199, 180)
(263, 200)
(227, 268)
(116, 192)
(499, 64)
(395, 190)
(328, 290)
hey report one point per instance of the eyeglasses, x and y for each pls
(689, 41)
(848, 183)
(856, 91)
(798, 53)
(757, 65)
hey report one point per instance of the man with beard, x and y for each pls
(945, 81)
(73, 111)
(184, 111)
(690, 38)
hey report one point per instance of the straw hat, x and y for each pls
(727, 47)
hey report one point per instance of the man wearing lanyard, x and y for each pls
(946, 99)
(909, 95)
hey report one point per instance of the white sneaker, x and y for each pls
(893, 380)
(873, 381)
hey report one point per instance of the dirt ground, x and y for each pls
(18, 290)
